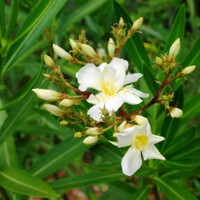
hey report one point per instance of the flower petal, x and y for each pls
(130, 78)
(130, 98)
(117, 62)
(137, 92)
(155, 139)
(89, 76)
(113, 103)
(151, 152)
(121, 126)
(124, 139)
(131, 161)
(95, 112)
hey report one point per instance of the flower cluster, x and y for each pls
(104, 82)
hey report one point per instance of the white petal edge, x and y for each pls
(124, 139)
(89, 76)
(151, 152)
(131, 161)
(130, 78)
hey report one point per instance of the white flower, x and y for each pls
(110, 80)
(141, 141)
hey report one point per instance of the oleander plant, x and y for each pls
(97, 104)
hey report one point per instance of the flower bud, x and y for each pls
(101, 52)
(66, 102)
(94, 131)
(48, 95)
(140, 120)
(48, 61)
(111, 47)
(174, 49)
(121, 22)
(78, 134)
(175, 112)
(62, 53)
(53, 110)
(73, 44)
(47, 76)
(88, 50)
(188, 70)
(89, 140)
(137, 23)
(158, 61)
(64, 123)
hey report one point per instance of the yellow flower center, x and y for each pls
(108, 88)
(140, 141)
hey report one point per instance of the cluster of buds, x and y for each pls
(167, 63)
(121, 35)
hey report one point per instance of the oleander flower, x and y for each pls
(110, 80)
(141, 141)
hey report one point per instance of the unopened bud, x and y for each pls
(121, 22)
(89, 140)
(47, 76)
(48, 95)
(188, 70)
(94, 131)
(88, 50)
(174, 49)
(64, 123)
(101, 52)
(73, 44)
(140, 120)
(53, 110)
(66, 102)
(158, 61)
(62, 53)
(137, 23)
(78, 134)
(175, 112)
(111, 47)
(48, 61)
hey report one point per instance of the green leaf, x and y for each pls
(13, 17)
(141, 194)
(86, 180)
(173, 190)
(180, 141)
(193, 57)
(40, 17)
(2, 19)
(178, 28)
(23, 92)
(8, 154)
(22, 182)
(80, 13)
(57, 157)
(191, 109)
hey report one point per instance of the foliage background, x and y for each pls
(34, 147)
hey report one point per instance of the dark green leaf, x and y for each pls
(193, 57)
(23, 92)
(191, 109)
(57, 157)
(86, 180)
(41, 16)
(178, 28)
(173, 190)
(22, 182)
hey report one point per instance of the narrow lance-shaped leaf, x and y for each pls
(178, 28)
(20, 181)
(86, 180)
(40, 17)
(57, 157)
(173, 190)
